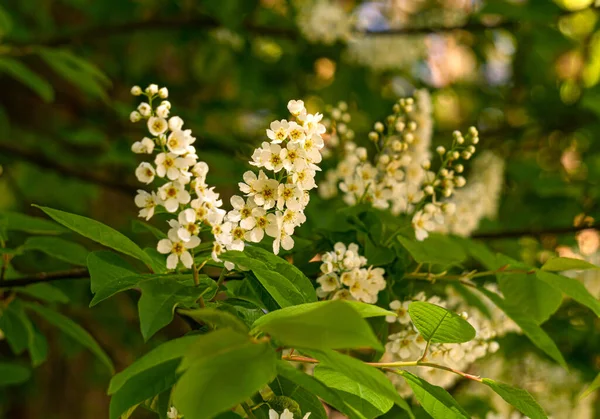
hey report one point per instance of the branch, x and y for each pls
(494, 235)
(78, 273)
(472, 26)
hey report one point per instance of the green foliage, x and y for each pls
(11, 374)
(592, 388)
(19, 71)
(61, 249)
(436, 250)
(566, 264)
(518, 398)
(216, 318)
(437, 324)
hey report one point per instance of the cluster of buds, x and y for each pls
(336, 121)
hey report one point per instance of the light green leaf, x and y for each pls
(173, 349)
(324, 325)
(435, 249)
(307, 401)
(370, 310)
(105, 268)
(593, 387)
(286, 283)
(358, 371)
(142, 227)
(526, 293)
(518, 398)
(160, 297)
(19, 71)
(72, 329)
(15, 221)
(44, 292)
(310, 383)
(216, 318)
(58, 248)
(223, 359)
(566, 264)
(439, 325)
(146, 384)
(573, 288)
(368, 402)
(435, 400)
(98, 232)
(530, 328)
(11, 374)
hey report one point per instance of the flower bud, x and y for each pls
(163, 93)
(346, 117)
(343, 106)
(136, 90)
(460, 140)
(378, 127)
(384, 159)
(373, 136)
(397, 145)
(471, 149)
(426, 164)
(135, 116)
(361, 152)
(342, 128)
(444, 172)
(460, 181)
(456, 134)
(336, 114)
(396, 108)
(441, 150)
(400, 126)
(459, 168)
(428, 190)
(475, 140)
(449, 208)
(152, 89)
(466, 155)
(409, 138)
(412, 126)
(473, 132)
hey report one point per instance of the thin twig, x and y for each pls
(78, 273)
(493, 235)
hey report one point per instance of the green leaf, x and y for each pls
(15, 221)
(11, 374)
(143, 386)
(21, 334)
(173, 349)
(316, 387)
(435, 400)
(322, 325)
(44, 292)
(573, 288)
(216, 318)
(19, 71)
(566, 264)
(368, 402)
(98, 232)
(370, 310)
(307, 401)
(58, 248)
(223, 359)
(358, 371)
(106, 267)
(160, 297)
(436, 249)
(6, 23)
(518, 398)
(593, 387)
(471, 299)
(81, 73)
(142, 227)
(526, 293)
(439, 325)
(72, 329)
(284, 282)
(529, 327)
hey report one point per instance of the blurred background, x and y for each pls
(525, 73)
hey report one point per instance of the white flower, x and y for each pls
(312, 146)
(285, 415)
(173, 194)
(295, 107)
(275, 229)
(162, 111)
(163, 93)
(288, 194)
(401, 310)
(147, 202)
(175, 123)
(266, 194)
(157, 125)
(312, 124)
(145, 173)
(259, 216)
(178, 250)
(304, 178)
(292, 157)
(135, 116)
(144, 109)
(188, 226)
(178, 141)
(253, 183)
(173, 413)
(242, 212)
(136, 90)
(278, 131)
(329, 282)
(270, 157)
(422, 223)
(200, 170)
(171, 165)
(152, 89)
(296, 133)
(146, 146)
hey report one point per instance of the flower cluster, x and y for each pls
(399, 178)
(406, 344)
(324, 21)
(345, 276)
(286, 414)
(336, 121)
(271, 205)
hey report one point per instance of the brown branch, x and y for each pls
(472, 26)
(493, 235)
(78, 273)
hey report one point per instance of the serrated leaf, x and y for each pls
(11, 374)
(173, 349)
(368, 402)
(439, 325)
(216, 318)
(518, 398)
(573, 288)
(529, 327)
(160, 297)
(98, 232)
(19, 71)
(435, 400)
(567, 264)
(362, 373)
(58, 248)
(72, 329)
(322, 325)
(223, 359)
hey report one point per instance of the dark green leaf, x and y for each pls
(439, 325)
(19, 71)
(44, 292)
(15, 221)
(518, 398)
(436, 249)
(307, 401)
(216, 318)
(573, 288)
(11, 374)
(58, 248)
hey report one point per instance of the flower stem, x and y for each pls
(248, 410)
